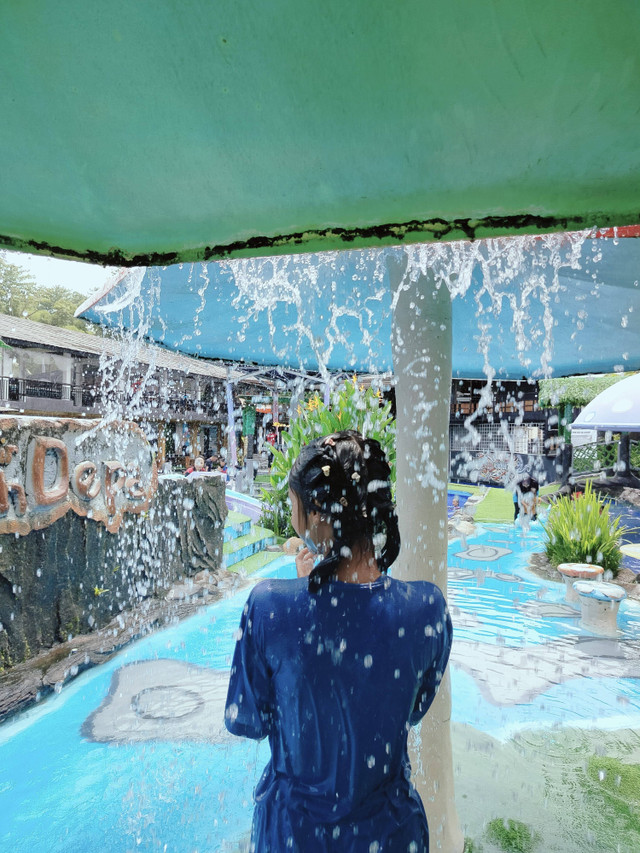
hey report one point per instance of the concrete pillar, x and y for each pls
(232, 456)
(421, 341)
(563, 468)
(623, 466)
(623, 473)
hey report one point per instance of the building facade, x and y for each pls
(180, 401)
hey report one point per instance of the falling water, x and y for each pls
(339, 307)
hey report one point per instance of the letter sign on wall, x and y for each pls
(49, 466)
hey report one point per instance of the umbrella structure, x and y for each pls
(197, 130)
(500, 309)
(616, 409)
(194, 131)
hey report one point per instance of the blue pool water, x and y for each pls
(60, 792)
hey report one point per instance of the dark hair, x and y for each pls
(347, 478)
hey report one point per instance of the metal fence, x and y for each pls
(501, 437)
(86, 396)
(594, 457)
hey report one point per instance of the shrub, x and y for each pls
(512, 836)
(617, 783)
(581, 530)
(351, 407)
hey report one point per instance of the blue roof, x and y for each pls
(334, 310)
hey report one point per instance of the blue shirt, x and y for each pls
(335, 679)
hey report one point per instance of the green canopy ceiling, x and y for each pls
(135, 132)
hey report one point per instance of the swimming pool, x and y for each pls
(60, 790)
(462, 496)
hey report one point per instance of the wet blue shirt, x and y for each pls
(335, 679)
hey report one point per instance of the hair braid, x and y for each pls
(380, 505)
(347, 478)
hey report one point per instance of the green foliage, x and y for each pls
(351, 408)
(20, 296)
(471, 846)
(16, 288)
(608, 454)
(619, 785)
(512, 836)
(575, 390)
(276, 515)
(595, 456)
(581, 530)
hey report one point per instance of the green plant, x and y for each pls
(512, 836)
(581, 530)
(351, 407)
(608, 453)
(575, 390)
(471, 846)
(619, 785)
(275, 515)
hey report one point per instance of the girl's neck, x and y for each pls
(360, 568)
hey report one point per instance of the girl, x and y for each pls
(336, 665)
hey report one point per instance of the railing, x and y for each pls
(17, 389)
(47, 390)
(594, 456)
(178, 405)
(89, 396)
(527, 438)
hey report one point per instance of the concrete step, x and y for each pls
(256, 562)
(236, 525)
(241, 547)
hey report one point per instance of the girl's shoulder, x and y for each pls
(420, 593)
(273, 591)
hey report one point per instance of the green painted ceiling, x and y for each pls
(134, 132)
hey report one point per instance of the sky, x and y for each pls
(48, 272)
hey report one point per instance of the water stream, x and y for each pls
(526, 301)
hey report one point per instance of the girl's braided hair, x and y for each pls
(347, 478)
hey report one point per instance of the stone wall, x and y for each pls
(73, 576)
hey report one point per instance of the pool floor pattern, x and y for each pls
(132, 755)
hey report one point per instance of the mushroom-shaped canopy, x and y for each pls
(617, 408)
(523, 306)
(154, 133)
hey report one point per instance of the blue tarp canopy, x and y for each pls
(334, 310)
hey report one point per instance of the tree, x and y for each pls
(352, 407)
(575, 390)
(17, 289)
(21, 296)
